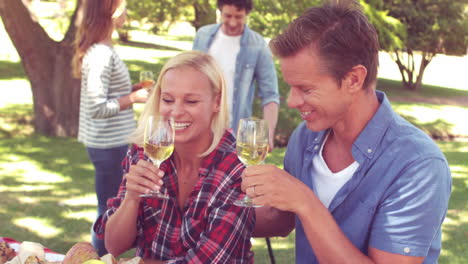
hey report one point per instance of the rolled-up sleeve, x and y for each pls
(408, 220)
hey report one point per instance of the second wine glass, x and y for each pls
(147, 80)
(252, 147)
(158, 143)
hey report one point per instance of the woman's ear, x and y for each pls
(354, 79)
(217, 104)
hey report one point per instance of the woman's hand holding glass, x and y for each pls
(158, 144)
(252, 147)
(142, 179)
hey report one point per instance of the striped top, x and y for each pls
(105, 78)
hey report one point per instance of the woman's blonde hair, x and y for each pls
(95, 25)
(206, 65)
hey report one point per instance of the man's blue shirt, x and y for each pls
(397, 199)
(254, 63)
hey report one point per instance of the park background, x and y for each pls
(47, 184)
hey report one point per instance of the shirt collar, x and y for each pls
(245, 33)
(317, 141)
(225, 146)
(366, 143)
(368, 140)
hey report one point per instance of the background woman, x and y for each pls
(199, 224)
(106, 114)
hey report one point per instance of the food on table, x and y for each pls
(6, 252)
(94, 261)
(33, 260)
(79, 253)
(109, 259)
(28, 248)
(135, 260)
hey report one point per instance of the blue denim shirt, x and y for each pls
(397, 199)
(254, 63)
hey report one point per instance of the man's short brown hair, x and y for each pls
(240, 4)
(341, 35)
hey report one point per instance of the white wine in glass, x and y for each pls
(147, 80)
(252, 154)
(252, 147)
(158, 143)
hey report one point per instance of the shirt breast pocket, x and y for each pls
(191, 230)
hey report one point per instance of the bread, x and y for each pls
(6, 252)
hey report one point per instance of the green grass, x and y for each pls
(455, 227)
(439, 111)
(395, 88)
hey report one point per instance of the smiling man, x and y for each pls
(360, 184)
(245, 59)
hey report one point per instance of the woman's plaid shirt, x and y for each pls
(210, 229)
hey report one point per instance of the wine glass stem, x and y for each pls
(156, 162)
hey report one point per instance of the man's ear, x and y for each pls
(354, 79)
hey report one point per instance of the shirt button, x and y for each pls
(369, 150)
(316, 147)
(407, 250)
(316, 139)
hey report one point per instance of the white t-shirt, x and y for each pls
(327, 183)
(225, 49)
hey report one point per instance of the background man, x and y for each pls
(361, 184)
(244, 58)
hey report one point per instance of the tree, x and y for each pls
(270, 17)
(205, 13)
(431, 27)
(56, 93)
(161, 14)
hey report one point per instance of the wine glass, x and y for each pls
(158, 143)
(252, 147)
(147, 80)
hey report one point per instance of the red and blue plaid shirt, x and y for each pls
(210, 229)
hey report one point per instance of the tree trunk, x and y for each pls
(56, 94)
(406, 70)
(204, 14)
(425, 60)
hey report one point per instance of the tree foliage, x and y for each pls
(408, 29)
(431, 27)
(270, 17)
(161, 14)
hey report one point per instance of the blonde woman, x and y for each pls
(106, 114)
(199, 223)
